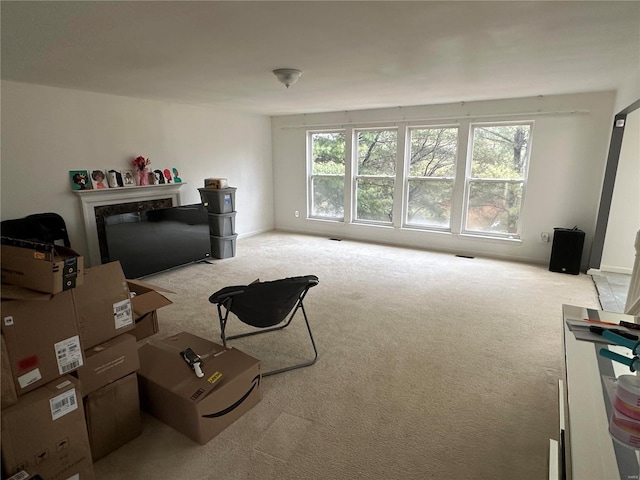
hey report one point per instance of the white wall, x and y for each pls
(618, 253)
(629, 89)
(48, 131)
(568, 157)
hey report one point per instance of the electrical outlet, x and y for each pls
(544, 237)
(297, 213)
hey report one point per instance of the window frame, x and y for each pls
(356, 176)
(407, 177)
(469, 180)
(311, 175)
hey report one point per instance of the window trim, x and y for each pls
(469, 179)
(356, 176)
(311, 175)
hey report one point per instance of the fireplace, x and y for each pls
(96, 204)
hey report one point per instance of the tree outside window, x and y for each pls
(432, 167)
(496, 178)
(327, 174)
(375, 174)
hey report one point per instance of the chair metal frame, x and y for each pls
(227, 301)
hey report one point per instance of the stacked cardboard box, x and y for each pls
(198, 407)
(43, 427)
(69, 357)
(107, 312)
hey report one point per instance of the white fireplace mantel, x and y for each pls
(112, 196)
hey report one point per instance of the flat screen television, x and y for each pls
(152, 241)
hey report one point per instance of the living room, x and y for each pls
(92, 85)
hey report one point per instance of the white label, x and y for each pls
(64, 403)
(20, 476)
(122, 314)
(63, 384)
(74, 477)
(68, 354)
(8, 321)
(28, 378)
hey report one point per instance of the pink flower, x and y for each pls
(140, 163)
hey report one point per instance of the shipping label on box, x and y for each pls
(200, 408)
(104, 304)
(42, 340)
(46, 432)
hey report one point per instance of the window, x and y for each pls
(375, 175)
(496, 178)
(327, 174)
(430, 181)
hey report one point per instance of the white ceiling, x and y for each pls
(354, 55)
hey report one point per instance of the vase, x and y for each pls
(143, 178)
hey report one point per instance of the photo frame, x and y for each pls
(114, 179)
(80, 180)
(127, 178)
(99, 179)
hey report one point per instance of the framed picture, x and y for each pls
(160, 178)
(114, 179)
(99, 178)
(127, 178)
(80, 180)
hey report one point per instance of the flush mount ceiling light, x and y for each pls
(287, 76)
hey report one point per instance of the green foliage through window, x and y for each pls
(498, 171)
(327, 174)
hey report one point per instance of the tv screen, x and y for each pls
(151, 241)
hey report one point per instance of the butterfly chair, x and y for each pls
(54, 225)
(265, 305)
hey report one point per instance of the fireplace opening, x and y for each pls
(121, 208)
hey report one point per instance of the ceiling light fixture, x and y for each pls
(287, 76)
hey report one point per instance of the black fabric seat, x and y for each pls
(265, 305)
(54, 225)
(39, 227)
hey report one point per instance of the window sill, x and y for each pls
(484, 238)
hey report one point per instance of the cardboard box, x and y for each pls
(113, 416)
(104, 304)
(41, 335)
(200, 408)
(46, 432)
(108, 362)
(216, 183)
(8, 389)
(43, 267)
(24, 475)
(146, 301)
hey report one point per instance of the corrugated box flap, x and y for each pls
(148, 302)
(149, 286)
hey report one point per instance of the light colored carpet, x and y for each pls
(431, 366)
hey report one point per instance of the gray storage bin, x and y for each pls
(219, 200)
(223, 247)
(222, 224)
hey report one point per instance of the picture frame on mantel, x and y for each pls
(127, 178)
(80, 180)
(99, 178)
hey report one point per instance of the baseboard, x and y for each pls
(611, 269)
(593, 271)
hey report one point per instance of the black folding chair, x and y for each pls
(54, 225)
(265, 305)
